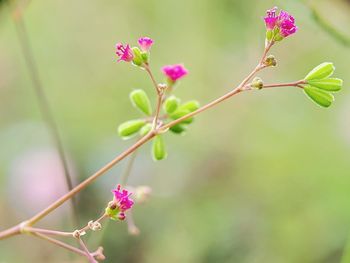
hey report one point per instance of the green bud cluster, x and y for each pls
(172, 108)
(140, 57)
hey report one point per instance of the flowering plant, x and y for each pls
(170, 114)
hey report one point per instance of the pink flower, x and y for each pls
(174, 72)
(287, 24)
(124, 52)
(145, 43)
(271, 18)
(123, 201)
(284, 22)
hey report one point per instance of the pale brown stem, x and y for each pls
(47, 231)
(132, 228)
(87, 252)
(85, 228)
(127, 152)
(159, 105)
(149, 71)
(127, 171)
(88, 181)
(43, 102)
(59, 243)
(289, 84)
(16, 230)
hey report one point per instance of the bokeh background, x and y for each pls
(264, 177)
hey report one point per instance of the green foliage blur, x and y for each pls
(264, 177)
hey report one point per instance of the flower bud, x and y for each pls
(257, 83)
(140, 100)
(146, 129)
(158, 149)
(129, 128)
(270, 61)
(121, 216)
(171, 104)
(137, 60)
(178, 128)
(191, 106)
(180, 113)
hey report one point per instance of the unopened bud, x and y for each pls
(270, 61)
(257, 83)
(121, 216)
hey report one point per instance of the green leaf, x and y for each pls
(322, 71)
(178, 128)
(171, 104)
(145, 129)
(180, 113)
(319, 96)
(129, 128)
(158, 148)
(191, 105)
(141, 101)
(331, 84)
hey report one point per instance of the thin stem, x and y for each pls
(267, 49)
(13, 231)
(127, 171)
(87, 252)
(47, 231)
(159, 105)
(130, 150)
(89, 180)
(289, 84)
(62, 244)
(87, 227)
(149, 71)
(43, 102)
(132, 228)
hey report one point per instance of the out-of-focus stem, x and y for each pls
(46, 231)
(134, 147)
(127, 171)
(87, 252)
(78, 251)
(43, 102)
(89, 180)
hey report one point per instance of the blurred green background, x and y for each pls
(264, 177)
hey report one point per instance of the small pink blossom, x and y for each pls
(287, 24)
(145, 43)
(123, 200)
(271, 18)
(124, 52)
(284, 22)
(175, 72)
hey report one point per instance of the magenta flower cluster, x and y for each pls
(284, 22)
(122, 200)
(175, 72)
(126, 53)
